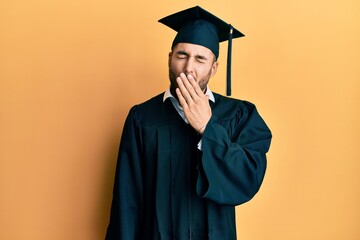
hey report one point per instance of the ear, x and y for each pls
(169, 60)
(214, 68)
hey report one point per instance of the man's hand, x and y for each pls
(194, 102)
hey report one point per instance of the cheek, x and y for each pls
(175, 65)
(204, 78)
(204, 72)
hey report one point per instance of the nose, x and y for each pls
(189, 66)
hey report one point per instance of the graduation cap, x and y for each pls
(198, 26)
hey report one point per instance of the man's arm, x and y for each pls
(232, 168)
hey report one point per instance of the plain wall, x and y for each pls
(71, 69)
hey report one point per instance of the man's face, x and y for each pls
(191, 59)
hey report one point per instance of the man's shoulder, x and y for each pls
(229, 102)
(228, 107)
(152, 102)
(153, 111)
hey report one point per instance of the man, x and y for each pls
(188, 156)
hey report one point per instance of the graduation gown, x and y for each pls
(166, 188)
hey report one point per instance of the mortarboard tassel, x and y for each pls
(228, 67)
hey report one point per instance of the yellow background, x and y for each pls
(71, 69)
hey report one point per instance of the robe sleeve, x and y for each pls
(127, 203)
(233, 160)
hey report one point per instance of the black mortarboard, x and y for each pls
(198, 26)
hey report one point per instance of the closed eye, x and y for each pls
(182, 55)
(185, 55)
(201, 58)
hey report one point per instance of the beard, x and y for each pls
(173, 84)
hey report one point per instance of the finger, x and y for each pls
(181, 99)
(190, 85)
(195, 86)
(184, 91)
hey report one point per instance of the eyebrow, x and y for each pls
(180, 52)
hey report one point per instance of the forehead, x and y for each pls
(193, 49)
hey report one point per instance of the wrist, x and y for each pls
(202, 129)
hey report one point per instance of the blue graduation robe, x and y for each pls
(166, 188)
